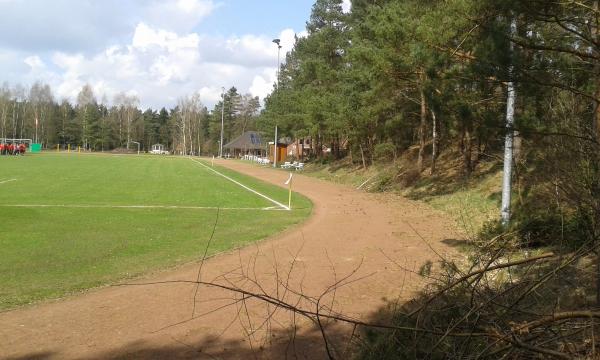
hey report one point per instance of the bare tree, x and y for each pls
(127, 105)
(247, 107)
(188, 122)
(41, 100)
(85, 99)
(4, 101)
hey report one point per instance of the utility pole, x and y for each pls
(222, 121)
(509, 137)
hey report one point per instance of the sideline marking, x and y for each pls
(138, 207)
(242, 185)
(6, 181)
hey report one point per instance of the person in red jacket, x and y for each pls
(1, 149)
(11, 149)
(22, 149)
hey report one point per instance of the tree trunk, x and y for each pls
(84, 128)
(120, 129)
(350, 154)
(362, 154)
(597, 128)
(128, 128)
(319, 146)
(14, 119)
(508, 142)
(422, 131)
(468, 151)
(184, 149)
(597, 95)
(2, 134)
(434, 142)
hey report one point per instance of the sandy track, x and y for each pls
(348, 228)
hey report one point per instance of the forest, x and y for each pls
(395, 77)
(93, 125)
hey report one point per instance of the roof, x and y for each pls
(250, 140)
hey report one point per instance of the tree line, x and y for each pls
(392, 74)
(424, 78)
(187, 128)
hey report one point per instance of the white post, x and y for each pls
(509, 138)
(275, 149)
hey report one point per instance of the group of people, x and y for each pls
(12, 149)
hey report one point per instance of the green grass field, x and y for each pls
(67, 221)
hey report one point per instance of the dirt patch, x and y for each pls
(380, 240)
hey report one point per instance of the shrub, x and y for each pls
(384, 152)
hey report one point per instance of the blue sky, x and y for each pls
(158, 50)
(266, 16)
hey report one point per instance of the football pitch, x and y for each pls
(71, 222)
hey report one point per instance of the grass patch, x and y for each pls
(49, 252)
(470, 202)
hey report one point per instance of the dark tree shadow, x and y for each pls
(305, 344)
(33, 356)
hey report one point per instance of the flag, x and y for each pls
(289, 179)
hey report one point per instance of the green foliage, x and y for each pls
(385, 152)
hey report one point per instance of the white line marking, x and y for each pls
(242, 185)
(7, 181)
(137, 207)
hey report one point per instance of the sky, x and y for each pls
(158, 50)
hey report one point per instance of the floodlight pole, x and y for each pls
(278, 43)
(222, 121)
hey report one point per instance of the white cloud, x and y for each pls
(178, 15)
(34, 62)
(145, 37)
(161, 66)
(148, 48)
(88, 26)
(262, 84)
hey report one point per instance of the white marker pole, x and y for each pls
(213, 161)
(289, 182)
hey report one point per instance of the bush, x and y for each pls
(384, 152)
(534, 229)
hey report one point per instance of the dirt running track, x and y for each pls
(348, 228)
